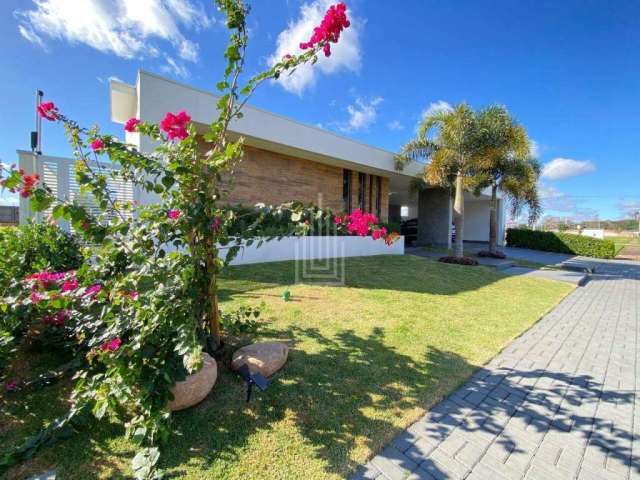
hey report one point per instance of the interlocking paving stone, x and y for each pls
(560, 402)
(366, 472)
(393, 464)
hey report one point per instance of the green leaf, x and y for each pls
(100, 408)
(41, 200)
(168, 181)
(143, 464)
(58, 211)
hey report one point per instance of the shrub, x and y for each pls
(35, 247)
(459, 261)
(26, 250)
(496, 254)
(560, 243)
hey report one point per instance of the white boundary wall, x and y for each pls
(593, 233)
(316, 248)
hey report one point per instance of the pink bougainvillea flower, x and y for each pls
(97, 145)
(111, 345)
(379, 233)
(359, 222)
(132, 125)
(70, 285)
(329, 30)
(215, 225)
(45, 279)
(93, 290)
(174, 214)
(175, 126)
(57, 319)
(37, 297)
(133, 294)
(48, 110)
(11, 385)
(28, 184)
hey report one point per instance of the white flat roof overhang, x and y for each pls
(154, 95)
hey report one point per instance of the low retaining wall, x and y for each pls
(315, 248)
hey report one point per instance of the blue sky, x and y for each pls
(568, 71)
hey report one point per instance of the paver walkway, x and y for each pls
(560, 402)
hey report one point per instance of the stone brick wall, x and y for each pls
(273, 178)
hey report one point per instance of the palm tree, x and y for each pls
(448, 140)
(505, 165)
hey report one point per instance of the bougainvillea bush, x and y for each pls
(28, 249)
(143, 308)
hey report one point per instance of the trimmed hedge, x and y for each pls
(561, 243)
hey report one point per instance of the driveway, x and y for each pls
(560, 402)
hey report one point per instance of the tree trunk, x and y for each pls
(458, 215)
(215, 311)
(213, 315)
(493, 220)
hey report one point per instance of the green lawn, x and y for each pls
(622, 241)
(368, 359)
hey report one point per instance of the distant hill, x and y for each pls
(562, 224)
(618, 225)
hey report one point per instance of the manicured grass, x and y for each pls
(623, 241)
(368, 358)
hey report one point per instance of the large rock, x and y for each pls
(266, 358)
(195, 388)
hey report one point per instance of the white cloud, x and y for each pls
(534, 148)
(345, 55)
(109, 78)
(555, 199)
(629, 207)
(395, 126)
(192, 15)
(561, 168)
(121, 27)
(439, 106)
(30, 35)
(362, 114)
(172, 66)
(189, 51)
(558, 201)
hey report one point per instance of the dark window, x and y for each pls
(346, 190)
(371, 193)
(378, 196)
(361, 188)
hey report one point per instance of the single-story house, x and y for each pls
(287, 160)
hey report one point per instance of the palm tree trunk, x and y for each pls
(458, 215)
(493, 220)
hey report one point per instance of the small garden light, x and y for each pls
(286, 295)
